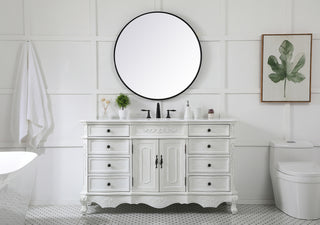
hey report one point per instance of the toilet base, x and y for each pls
(297, 197)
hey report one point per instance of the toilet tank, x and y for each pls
(291, 151)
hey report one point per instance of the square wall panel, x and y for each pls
(306, 120)
(67, 65)
(9, 58)
(258, 123)
(210, 71)
(108, 77)
(315, 73)
(244, 62)
(256, 16)
(306, 16)
(204, 16)
(133, 109)
(59, 176)
(59, 17)
(257, 185)
(113, 15)
(5, 118)
(202, 101)
(68, 111)
(11, 17)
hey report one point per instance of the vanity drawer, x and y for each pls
(109, 147)
(208, 165)
(209, 183)
(109, 165)
(159, 130)
(209, 130)
(208, 146)
(108, 130)
(109, 184)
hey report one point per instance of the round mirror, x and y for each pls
(157, 55)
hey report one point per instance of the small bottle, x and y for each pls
(187, 112)
(210, 114)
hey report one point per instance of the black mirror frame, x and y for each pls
(115, 64)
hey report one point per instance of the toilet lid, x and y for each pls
(299, 168)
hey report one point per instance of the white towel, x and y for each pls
(31, 117)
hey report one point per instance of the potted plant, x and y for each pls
(122, 101)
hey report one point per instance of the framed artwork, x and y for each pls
(286, 68)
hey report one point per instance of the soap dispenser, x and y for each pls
(187, 112)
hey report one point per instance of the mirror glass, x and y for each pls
(157, 55)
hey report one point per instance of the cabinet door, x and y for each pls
(172, 173)
(145, 174)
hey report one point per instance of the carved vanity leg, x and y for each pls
(84, 204)
(233, 207)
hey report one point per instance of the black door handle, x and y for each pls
(161, 161)
(156, 161)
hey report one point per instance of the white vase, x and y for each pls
(122, 114)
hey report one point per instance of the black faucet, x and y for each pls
(168, 112)
(147, 110)
(158, 114)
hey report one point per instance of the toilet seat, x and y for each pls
(306, 169)
(301, 172)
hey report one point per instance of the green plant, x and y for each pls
(286, 70)
(123, 101)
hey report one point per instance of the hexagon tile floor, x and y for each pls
(175, 214)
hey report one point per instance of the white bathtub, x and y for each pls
(17, 173)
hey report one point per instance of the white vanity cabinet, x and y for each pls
(158, 162)
(159, 165)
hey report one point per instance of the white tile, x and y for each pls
(306, 16)
(257, 16)
(59, 17)
(9, 56)
(113, 15)
(306, 120)
(204, 16)
(244, 62)
(258, 122)
(5, 118)
(315, 73)
(210, 72)
(68, 111)
(176, 214)
(67, 65)
(11, 17)
(108, 78)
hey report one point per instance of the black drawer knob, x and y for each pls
(209, 130)
(209, 165)
(209, 183)
(108, 130)
(108, 184)
(209, 146)
(109, 165)
(108, 146)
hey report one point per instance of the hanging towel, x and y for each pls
(31, 116)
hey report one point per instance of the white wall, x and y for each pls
(74, 41)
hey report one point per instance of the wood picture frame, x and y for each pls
(286, 67)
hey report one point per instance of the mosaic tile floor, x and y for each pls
(174, 214)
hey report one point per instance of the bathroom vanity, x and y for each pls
(158, 162)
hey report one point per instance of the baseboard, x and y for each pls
(255, 202)
(62, 202)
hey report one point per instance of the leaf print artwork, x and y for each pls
(288, 69)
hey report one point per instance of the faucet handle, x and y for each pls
(168, 112)
(147, 110)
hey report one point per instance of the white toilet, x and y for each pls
(295, 175)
